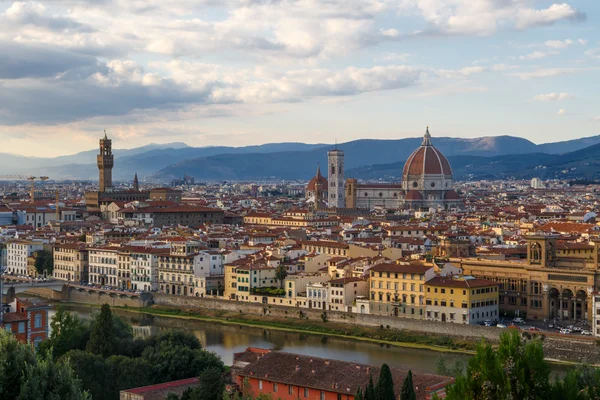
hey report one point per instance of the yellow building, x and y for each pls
(555, 281)
(399, 290)
(70, 262)
(461, 299)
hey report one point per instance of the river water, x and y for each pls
(225, 340)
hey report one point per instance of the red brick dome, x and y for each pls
(426, 160)
(317, 178)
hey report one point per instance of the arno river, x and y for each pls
(225, 340)
(228, 339)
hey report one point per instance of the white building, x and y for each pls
(316, 295)
(17, 252)
(596, 314)
(103, 266)
(344, 291)
(536, 183)
(208, 263)
(144, 268)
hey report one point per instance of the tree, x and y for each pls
(211, 384)
(102, 338)
(46, 380)
(281, 274)
(358, 395)
(68, 333)
(385, 384)
(44, 261)
(517, 370)
(14, 356)
(370, 390)
(94, 373)
(408, 388)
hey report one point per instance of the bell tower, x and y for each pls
(106, 161)
(335, 178)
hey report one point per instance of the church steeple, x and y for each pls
(318, 170)
(426, 138)
(136, 183)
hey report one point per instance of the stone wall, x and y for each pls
(440, 328)
(75, 295)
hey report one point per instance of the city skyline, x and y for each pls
(251, 72)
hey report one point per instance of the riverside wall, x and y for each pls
(438, 328)
(556, 346)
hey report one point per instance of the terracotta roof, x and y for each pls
(330, 375)
(461, 283)
(14, 317)
(412, 268)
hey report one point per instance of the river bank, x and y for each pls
(401, 332)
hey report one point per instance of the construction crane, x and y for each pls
(24, 177)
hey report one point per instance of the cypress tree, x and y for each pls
(358, 395)
(408, 389)
(102, 338)
(370, 390)
(385, 384)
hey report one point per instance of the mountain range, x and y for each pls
(476, 158)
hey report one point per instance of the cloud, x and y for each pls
(485, 17)
(597, 118)
(528, 17)
(561, 112)
(593, 53)
(558, 44)
(121, 87)
(548, 72)
(553, 97)
(19, 61)
(536, 55)
(582, 42)
(397, 57)
(462, 72)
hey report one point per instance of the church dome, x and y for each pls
(312, 184)
(426, 160)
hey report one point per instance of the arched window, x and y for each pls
(332, 169)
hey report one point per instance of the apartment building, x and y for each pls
(399, 290)
(17, 252)
(461, 299)
(71, 262)
(103, 265)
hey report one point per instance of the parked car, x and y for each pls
(518, 320)
(586, 332)
(501, 326)
(533, 329)
(488, 323)
(565, 331)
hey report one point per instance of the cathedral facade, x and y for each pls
(426, 183)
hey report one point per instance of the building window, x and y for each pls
(259, 385)
(8, 327)
(21, 327)
(274, 387)
(290, 389)
(38, 321)
(306, 393)
(322, 397)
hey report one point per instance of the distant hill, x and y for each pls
(358, 153)
(365, 158)
(580, 164)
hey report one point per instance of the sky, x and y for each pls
(241, 72)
